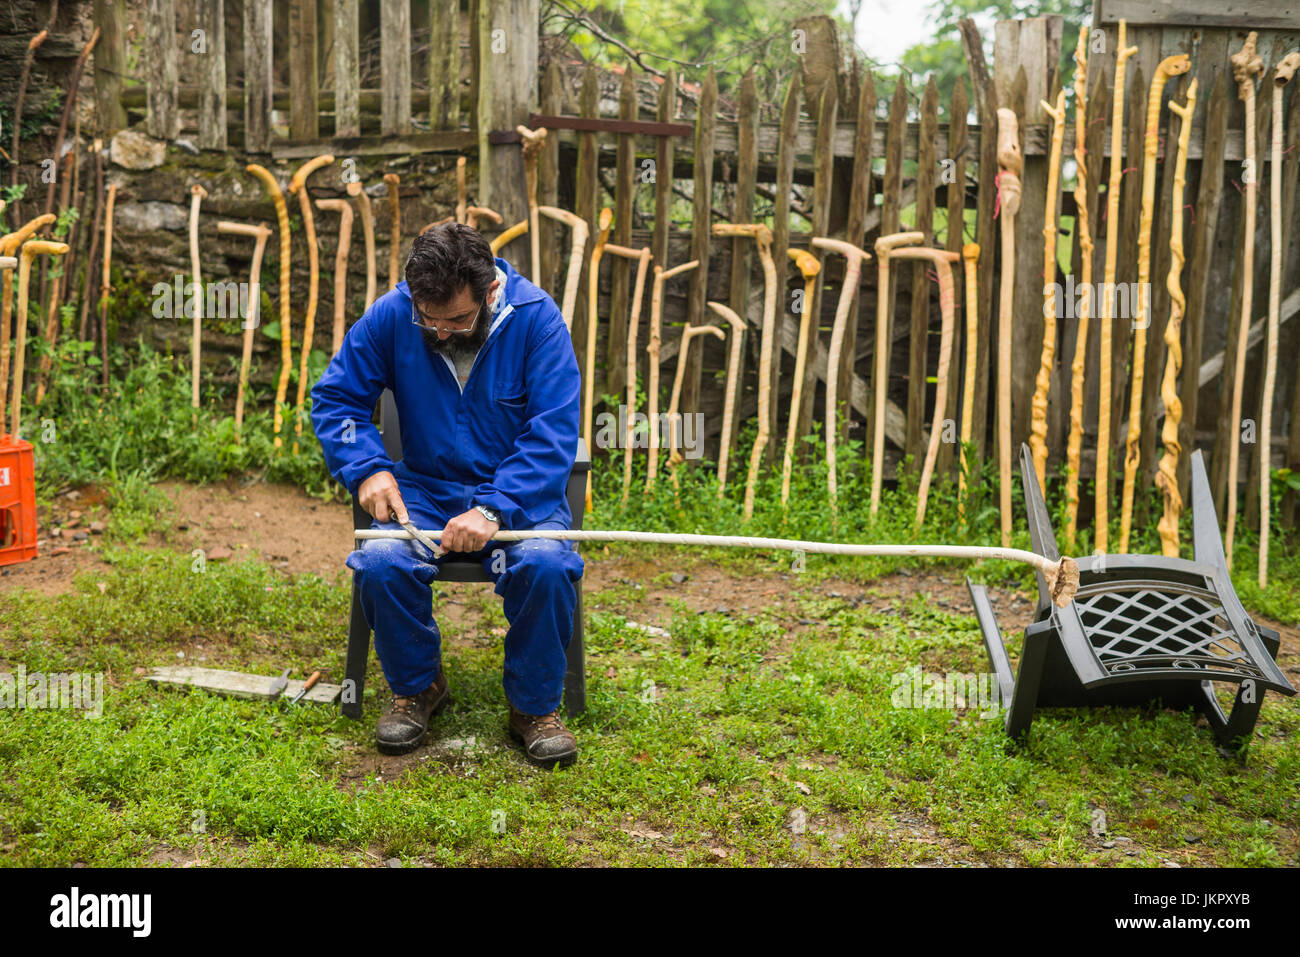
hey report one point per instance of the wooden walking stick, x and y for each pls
(368, 231)
(1170, 66)
(105, 284)
(534, 140)
(674, 415)
(729, 403)
(589, 378)
(1038, 405)
(1102, 532)
(9, 245)
(197, 195)
(83, 325)
(501, 240)
(52, 322)
(344, 209)
(970, 254)
(943, 261)
(461, 193)
(286, 346)
(884, 248)
(1283, 73)
(652, 389)
(395, 240)
(578, 242)
(767, 347)
(474, 213)
(854, 258)
(28, 56)
(1079, 364)
(1010, 163)
(1246, 66)
(259, 233)
(642, 258)
(1167, 476)
(30, 249)
(298, 187)
(809, 267)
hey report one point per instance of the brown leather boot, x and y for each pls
(401, 728)
(547, 742)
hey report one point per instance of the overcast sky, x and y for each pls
(886, 28)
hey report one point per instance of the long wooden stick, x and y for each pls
(197, 195)
(368, 231)
(970, 254)
(729, 403)
(1246, 66)
(577, 243)
(30, 249)
(28, 56)
(53, 321)
(1167, 475)
(1170, 66)
(854, 258)
(1010, 163)
(593, 314)
(674, 415)
(501, 240)
(652, 389)
(642, 257)
(83, 325)
(298, 187)
(767, 348)
(1105, 331)
(1078, 367)
(286, 346)
(809, 267)
(943, 261)
(344, 209)
(259, 233)
(105, 283)
(9, 245)
(461, 193)
(474, 213)
(395, 239)
(1283, 73)
(884, 246)
(534, 140)
(1038, 405)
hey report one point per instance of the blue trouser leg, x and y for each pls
(393, 578)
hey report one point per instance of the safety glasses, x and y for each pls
(424, 322)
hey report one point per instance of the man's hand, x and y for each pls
(379, 496)
(468, 532)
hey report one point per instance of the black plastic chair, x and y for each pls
(1142, 628)
(575, 676)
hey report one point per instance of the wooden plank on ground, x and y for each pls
(238, 684)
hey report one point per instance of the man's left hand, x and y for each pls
(468, 532)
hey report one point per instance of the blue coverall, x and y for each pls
(507, 441)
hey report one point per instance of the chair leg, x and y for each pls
(1033, 656)
(1239, 723)
(575, 675)
(354, 683)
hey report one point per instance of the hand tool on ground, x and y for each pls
(307, 686)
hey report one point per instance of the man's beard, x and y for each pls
(454, 347)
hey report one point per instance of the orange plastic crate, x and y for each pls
(17, 501)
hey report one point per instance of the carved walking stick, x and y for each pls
(1170, 66)
(1246, 65)
(30, 249)
(1038, 405)
(1080, 363)
(674, 416)
(28, 56)
(197, 195)
(286, 346)
(259, 233)
(884, 248)
(1102, 532)
(474, 213)
(943, 261)
(809, 267)
(1284, 71)
(83, 326)
(9, 245)
(767, 347)
(461, 194)
(589, 377)
(652, 389)
(298, 187)
(52, 322)
(501, 240)
(642, 258)
(854, 258)
(729, 403)
(395, 240)
(534, 140)
(970, 254)
(344, 209)
(1010, 163)
(105, 286)
(578, 242)
(1167, 476)
(368, 231)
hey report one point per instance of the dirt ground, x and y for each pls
(298, 534)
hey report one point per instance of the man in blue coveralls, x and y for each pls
(487, 389)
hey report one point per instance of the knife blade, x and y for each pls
(423, 539)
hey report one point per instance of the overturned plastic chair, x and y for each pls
(1141, 629)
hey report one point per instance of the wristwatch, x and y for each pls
(491, 514)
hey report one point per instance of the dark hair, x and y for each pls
(445, 259)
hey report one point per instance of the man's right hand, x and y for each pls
(380, 496)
